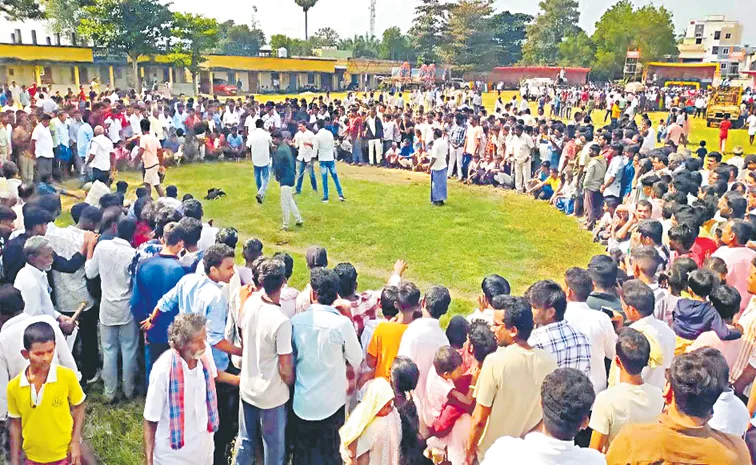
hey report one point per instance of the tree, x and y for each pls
(240, 39)
(361, 46)
(509, 34)
(429, 27)
(648, 29)
(557, 20)
(194, 36)
(21, 9)
(295, 47)
(325, 37)
(471, 43)
(63, 16)
(134, 27)
(396, 46)
(577, 50)
(305, 5)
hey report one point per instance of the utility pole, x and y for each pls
(372, 18)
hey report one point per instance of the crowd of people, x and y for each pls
(645, 355)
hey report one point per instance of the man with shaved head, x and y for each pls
(100, 155)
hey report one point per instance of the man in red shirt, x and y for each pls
(724, 130)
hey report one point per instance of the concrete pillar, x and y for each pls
(111, 75)
(76, 75)
(37, 75)
(170, 75)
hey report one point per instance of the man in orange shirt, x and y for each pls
(682, 434)
(384, 344)
(724, 131)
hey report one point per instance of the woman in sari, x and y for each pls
(373, 432)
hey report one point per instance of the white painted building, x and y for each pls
(715, 39)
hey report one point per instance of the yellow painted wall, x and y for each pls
(45, 53)
(269, 64)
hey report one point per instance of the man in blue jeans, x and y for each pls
(259, 142)
(303, 141)
(324, 149)
(267, 370)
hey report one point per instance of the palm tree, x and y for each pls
(306, 5)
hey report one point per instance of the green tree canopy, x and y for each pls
(325, 37)
(577, 50)
(361, 46)
(622, 27)
(295, 47)
(556, 20)
(396, 46)
(471, 44)
(240, 39)
(193, 37)
(305, 5)
(134, 27)
(21, 9)
(429, 28)
(509, 34)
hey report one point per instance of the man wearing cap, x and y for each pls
(737, 158)
(283, 168)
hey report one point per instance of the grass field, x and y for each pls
(387, 216)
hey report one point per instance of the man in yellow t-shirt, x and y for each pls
(45, 404)
(384, 345)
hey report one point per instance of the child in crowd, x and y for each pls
(564, 197)
(701, 150)
(694, 315)
(718, 267)
(45, 404)
(447, 406)
(373, 431)
(726, 301)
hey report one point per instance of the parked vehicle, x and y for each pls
(725, 101)
(220, 87)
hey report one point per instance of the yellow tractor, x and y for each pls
(725, 102)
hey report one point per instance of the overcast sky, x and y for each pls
(349, 17)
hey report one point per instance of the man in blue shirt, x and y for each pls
(202, 294)
(234, 145)
(324, 341)
(154, 278)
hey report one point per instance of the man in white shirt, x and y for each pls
(42, 146)
(14, 322)
(33, 284)
(304, 141)
(259, 142)
(638, 304)
(596, 326)
(566, 399)
(522, 147)
(751, 125)
(190, 353)
(267, 369)
(438, 168)
(324, 149)
(422, 339)
(118, 330)
(629, 401)
(114, 125)
(100, 155)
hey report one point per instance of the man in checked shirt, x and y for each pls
(553, 334)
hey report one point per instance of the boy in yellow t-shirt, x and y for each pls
(45, 405)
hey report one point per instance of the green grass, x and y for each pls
(387, 216)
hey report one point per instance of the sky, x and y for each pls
(349, 17)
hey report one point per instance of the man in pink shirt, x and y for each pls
(737, 256)
(674, 133)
